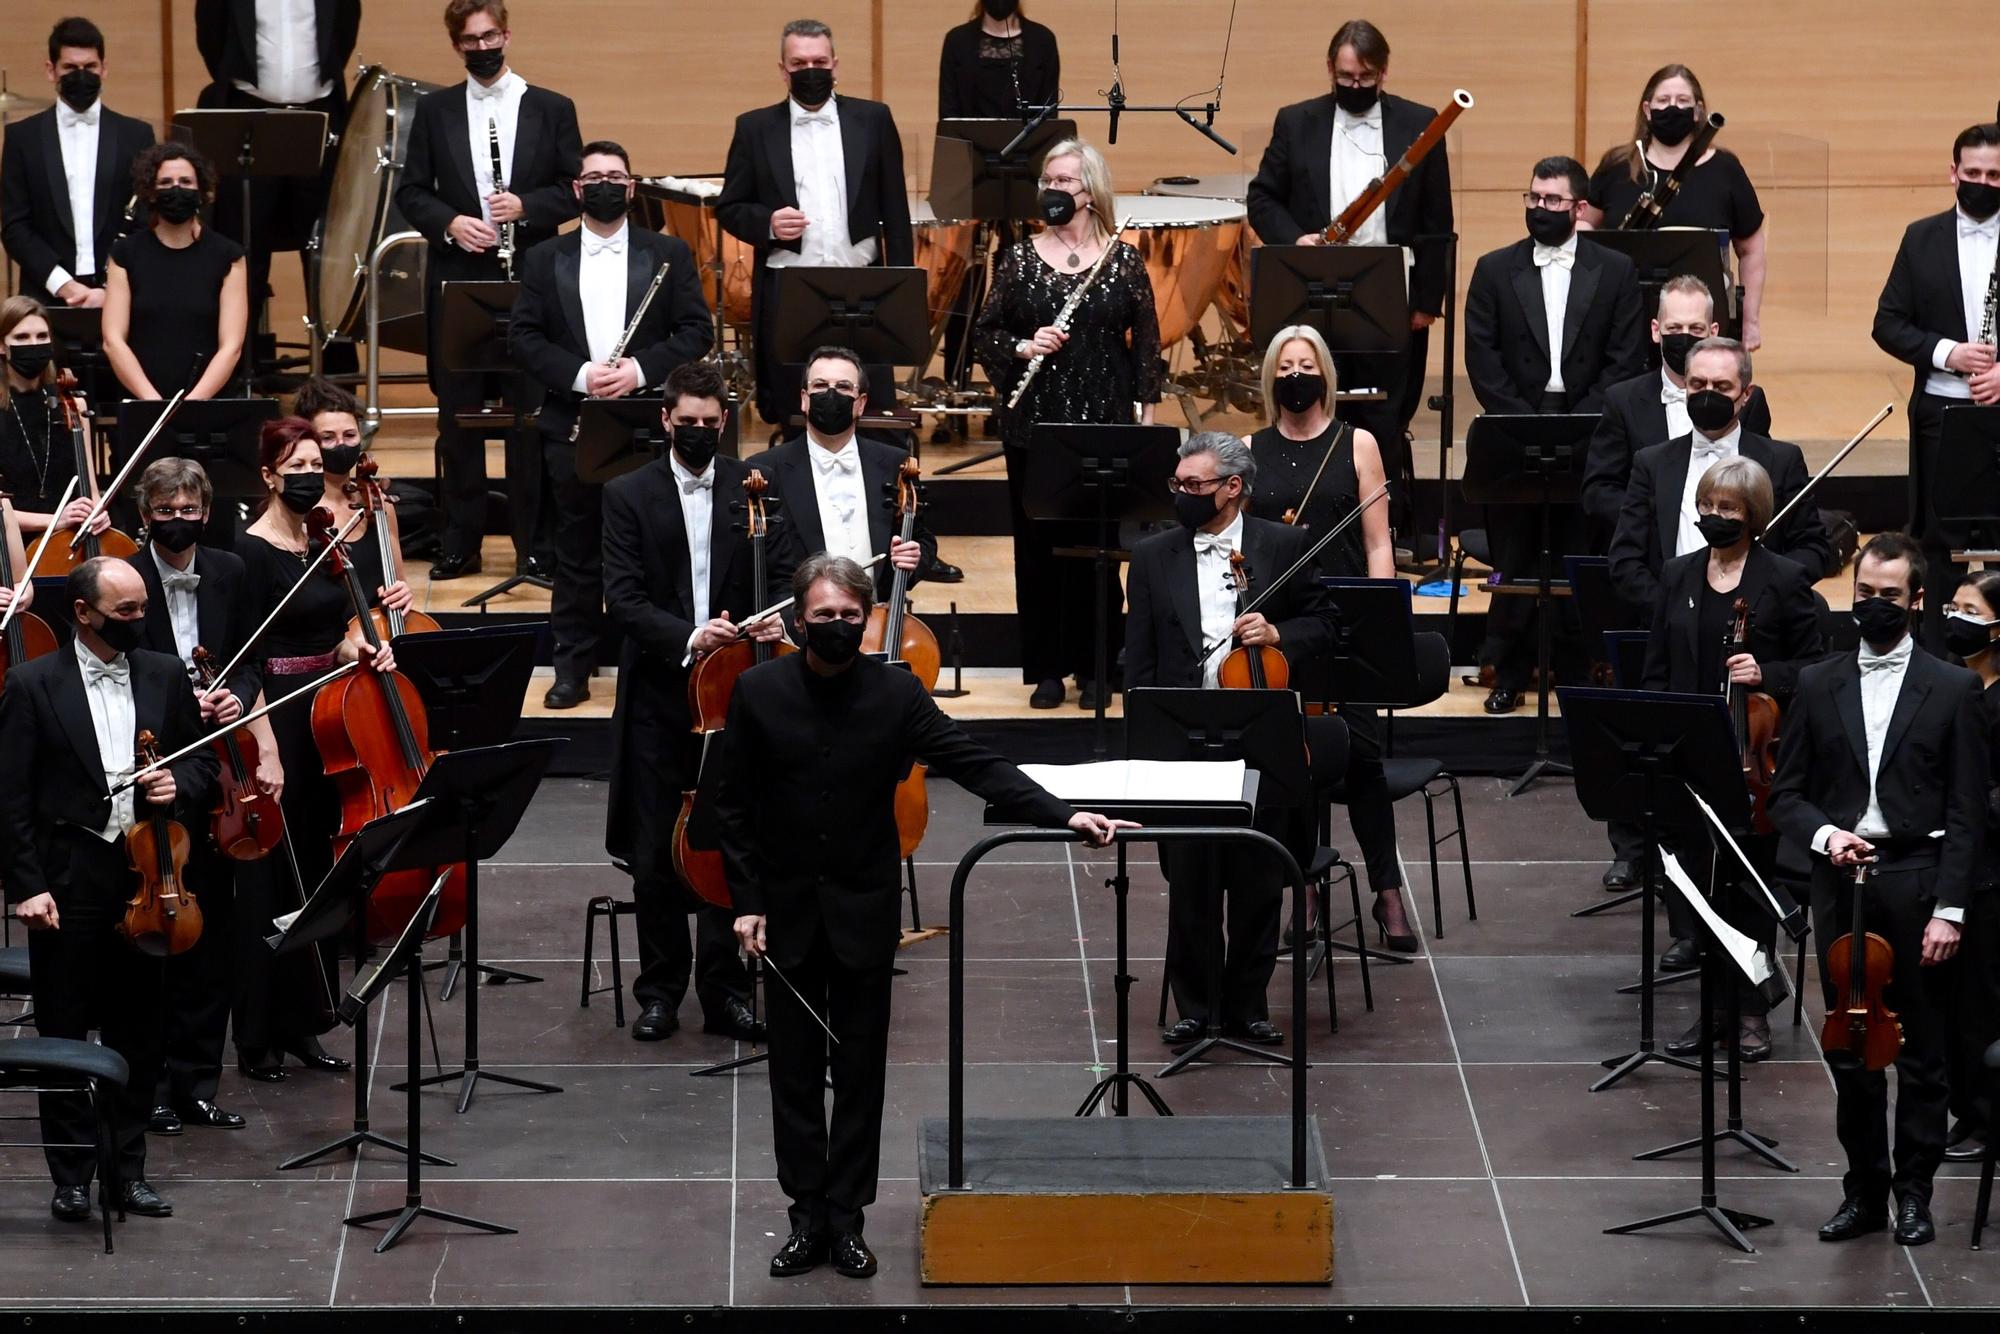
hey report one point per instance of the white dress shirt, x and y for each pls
(1218, 593)
(76, 131)
(1357, 160)
(1555, 262)
(1978, 245)
(819, 173)
(839, 491)
(179, 587)
(500, 104)
(1703, 454)
(600, 287)
(1674, 398)
(115, 720)
(287, 54)
(697, 499)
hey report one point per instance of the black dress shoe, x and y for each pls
(1753, 1038)
(1048, 695)
(452, 564)
(1913, 1224)
(944, 572)
(1966, 1144)
(655, 1022)
(851, 1256)
(164, 1121)
(264, 1067)
(1087, 693)
(534, 567)
(1690, 1043)
(1260, 1031)
(1854, 1219)
(737, 1020)
(202, 1112)
(310, 1054)
(802, 1253)
(1681, 955)
(567, 692)
(1501, 700)
(1187, 1030)
(1618, 877)
(71, 1204)
(140, 1198)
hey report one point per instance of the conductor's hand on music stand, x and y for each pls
(475, 236)
(1098, 829)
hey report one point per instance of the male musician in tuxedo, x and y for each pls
(1884, 760)
(66, 175)
(1933, 315)
(448, 192)
(1652, 405)
(839, 489)
(578, 294)
(69, 721)
(816, 181)
(1324, 153)
(678, 583)
(815, 744)
(1180, 603)
(1550, 324)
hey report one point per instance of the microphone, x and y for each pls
(1116, 97)
(1205, 131)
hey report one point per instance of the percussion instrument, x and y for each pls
(1190, 246)
(944, 253)
(1232, 299)
(684, 206)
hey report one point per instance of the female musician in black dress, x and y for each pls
(997, 62)
(1105, 368)
(176, 298)
(1716, 193)
(1971, 621)
(336, 420)
(36, 461)
(1310, 465)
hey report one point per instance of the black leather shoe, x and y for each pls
(1681, 955)
(452, 564)
(1087, 693)
(1690, 1043)
(1855, 1219)
(655, 1022)
(737, 1020)
(802, 1253)
(310, 1054)
(1501, 700)
(1187, 1030)
(1618, 877)
(140, 1198)
(1967, 1144)
(1913, 1224)
(567, 693)
(851, 1256)
(164, 1121)
(944, 572)
(1048, 695)
(1753, 1038)
(264, 1067)
(534, 567)
(71, 1204)
(1260, 1031)
(202, 1112)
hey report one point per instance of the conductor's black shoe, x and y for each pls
(71, 1204)
(567, 692)
(1913, 1223)
(944, 572)
(1502, 700)
(737, 1020)
(1048, 695)
(802, 1253)
(1854, 1219)
(1967, 1144)
(1187, 1030)
(164, 1121)
(851, 1256)
(1753, 1037)
(655, 1022)
(1680, 955)
(452, 564)
(1260, 1031)
(202, 1112)
(1691, 1042)
(140, 1198)
(1618, 876)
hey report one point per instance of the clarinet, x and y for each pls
(1063, 317)
(1992, 315)
(506, 250)
(625, 339)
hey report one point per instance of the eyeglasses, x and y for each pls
(1061, 183)
(848, 387)
(1194, 486)
(602, 177)
(1343, 81)
(483, 41)
(176, 511)
(1555, 203)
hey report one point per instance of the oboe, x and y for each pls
(625, 339)
(1992, 315)
(1063, 317)
(506, 251)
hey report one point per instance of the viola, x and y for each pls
(1248, 667)
(1757, 718)
(913, 643)
(245, 823)
(373, 494)
(1861, 1032)
(27, 636)
(163, 917)
(374, 737)
(61, 557)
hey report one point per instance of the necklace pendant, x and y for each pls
(1075, 260)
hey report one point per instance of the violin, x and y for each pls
(1861, 1033)
(1262, 667)
(28, 635)
(914, 644)
(61, 557)
(163, 917)
(245, 823)
(373, 734)
(1757, 717)
(374, 497)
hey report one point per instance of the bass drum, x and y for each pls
(361, 210)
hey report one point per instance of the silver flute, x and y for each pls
(625, 339)
(500, 187)
(1063, 317)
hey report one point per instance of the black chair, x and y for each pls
(63, 1065)
(14, 982)
(1992, 1063)
(610, 910)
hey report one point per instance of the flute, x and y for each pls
(625, 339)
(1063, 317)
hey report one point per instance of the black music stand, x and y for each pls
(615, 436)
(1105, 474)
(882, 315)
(975, 179)
(1637, 752)
(474, 319)
(218, 433)
(1357, 296)
(1531, 459)
(1964, 489)
(1266, 730)
(79, 334)
(1668, 253)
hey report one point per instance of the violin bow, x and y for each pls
(1299, 514)
(36, 558)
(117, 483)
(227, 728)
(1304, 560)
(777, 607)
(258, 633)
(1832, 463)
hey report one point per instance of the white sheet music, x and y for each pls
(1123, 781)
(1747, 953)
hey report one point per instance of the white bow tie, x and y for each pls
(1211, 543)
(171, 579)
(118, 670)
(1704, 446)
(1673, 393)
(813, 118)
(492, 92)
(1886, 662)
(1988, 228)
(705, 482)
(847, 460)
(1561, 256)
(616, 246)
(68, 119)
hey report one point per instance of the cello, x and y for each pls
(913, 644)
(1757, 718)
(27, 635)
(1248, 667)
(62, 557)
(374, 495)
(1861, 1032)
(245, 824)
(163, 917)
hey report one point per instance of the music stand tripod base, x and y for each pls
(1731, 1223)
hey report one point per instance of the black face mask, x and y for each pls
(175, 535)
(1978, 199)
(1670, 125)
(1355, 101)
(1298, 392)
(301, 491)
(604, 201)
(1001, 10)
(121, 636)
(1194, 511)
(811, 86)
(834, 642)
(1711, 410)
(29, 360)
(177, 203)
(1674, 349)
(1719, 532)
(1549, 227)
(830, 412)
(1966, 636)
(1881, 622)
(486, 62)
(339, 459)
(1058, 207)
(696, 446)
(78, 88)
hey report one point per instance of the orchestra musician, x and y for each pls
(996, 63)
(71, 719)
(1550, 325)
(1104, 367)
(1716, 193)
(1183, 602)
(1932, 314)
(37, 462)
(65, 174)
(815, 744)
(1883, 751)
(1685, 653)
(448, 192)
(815, 180)
(196, 598)
(578, 294)
(335, 418)
(677, 583)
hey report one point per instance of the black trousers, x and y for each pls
(1222, 901)
(828, 1167)
(1942, 573)
(462, 482)
(1057, 595)
(1898, 908)
(201, 984)
(1974, 1018)
(1365, 792)
(1512, 645)
(576, 608)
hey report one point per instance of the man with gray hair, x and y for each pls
(1182, 601)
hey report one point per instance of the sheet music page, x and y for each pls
(1119, 781)
(1748, 955)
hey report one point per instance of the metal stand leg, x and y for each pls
(1761, 1145)
(1212, 1036)
(1621, 1066)
(1118, 1080)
